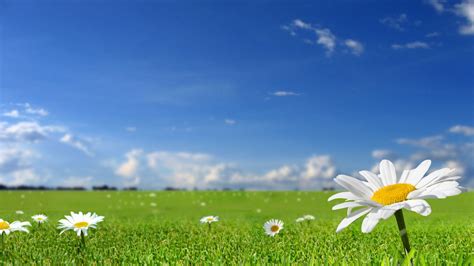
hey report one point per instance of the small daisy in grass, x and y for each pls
(80, 223)
(308, 217)
(20, 212)
(383, 195)
(209, 220)
(39, 218)
(299, 220)
(6, 227)
(273, 227)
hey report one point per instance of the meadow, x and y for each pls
(143, 227)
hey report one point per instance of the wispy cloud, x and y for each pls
(13, 113)
(411, 45)
(284, 93)
(77, 143)
(438, 5)
(460, 129)
(432, 34)
(230, 121)
(356, 47)
(397, 23)
(131, 129)
(324, 37)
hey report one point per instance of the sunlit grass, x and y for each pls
(136, 231)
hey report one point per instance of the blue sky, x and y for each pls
(254, 94)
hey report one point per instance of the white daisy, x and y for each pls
(39, 218)
(7, 228)
(308, 217)
(299, 220)
(382, 195)
(79, 222)
(20, 212)
(273, 227)
(209, 219)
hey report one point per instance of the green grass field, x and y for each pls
(163, 227)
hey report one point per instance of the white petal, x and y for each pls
(351, 218)
(388, 173)
(434, 177)
(354, 185)
(369, 224)
(415, 175)
(372, 178)
(344, 195)
(343, 205)
(404, 176)
(419, 206)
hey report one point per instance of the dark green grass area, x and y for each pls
(163, 227)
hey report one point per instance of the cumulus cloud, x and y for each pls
(129, 168)
(77, 143)
(396, 23)
(383, 154)
(411, 45)
(324, 37)
(204, 171)
(16, 167)
(26, 131)
(460, 129)
(356, 47)
(466, 10)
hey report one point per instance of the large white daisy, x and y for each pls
(7, 228)
(273, 227)
(80, 222)
(380, 196)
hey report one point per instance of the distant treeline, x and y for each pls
(106, 187)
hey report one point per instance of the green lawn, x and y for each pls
(154, 227)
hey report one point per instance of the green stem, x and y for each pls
(403, 230)
(209, 226)
(83, 240)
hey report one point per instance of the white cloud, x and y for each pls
(460, 129)
(131, 129)
(411, 45)
(129, 169)
(356, 47)
(383, 154)
(230, 121)
(13, 113)
(16, 167)
(466, 10)
(324, 37)
(438, 5)
(77, 143)
(284, 93)
(78, 181)
(396, 23)
(26, 131)
(425, 142)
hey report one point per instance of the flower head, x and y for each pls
(273, 227)
(7, 228)
(299, 220)
(380, 196)
(209, 219)
(20, 212)
(39, 218)
(308, 217)
(80, 222)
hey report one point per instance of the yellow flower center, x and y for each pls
(392, 193)
(274, 228)
(4, 225)
(39, 219)
(210, 219)
(81, 224)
